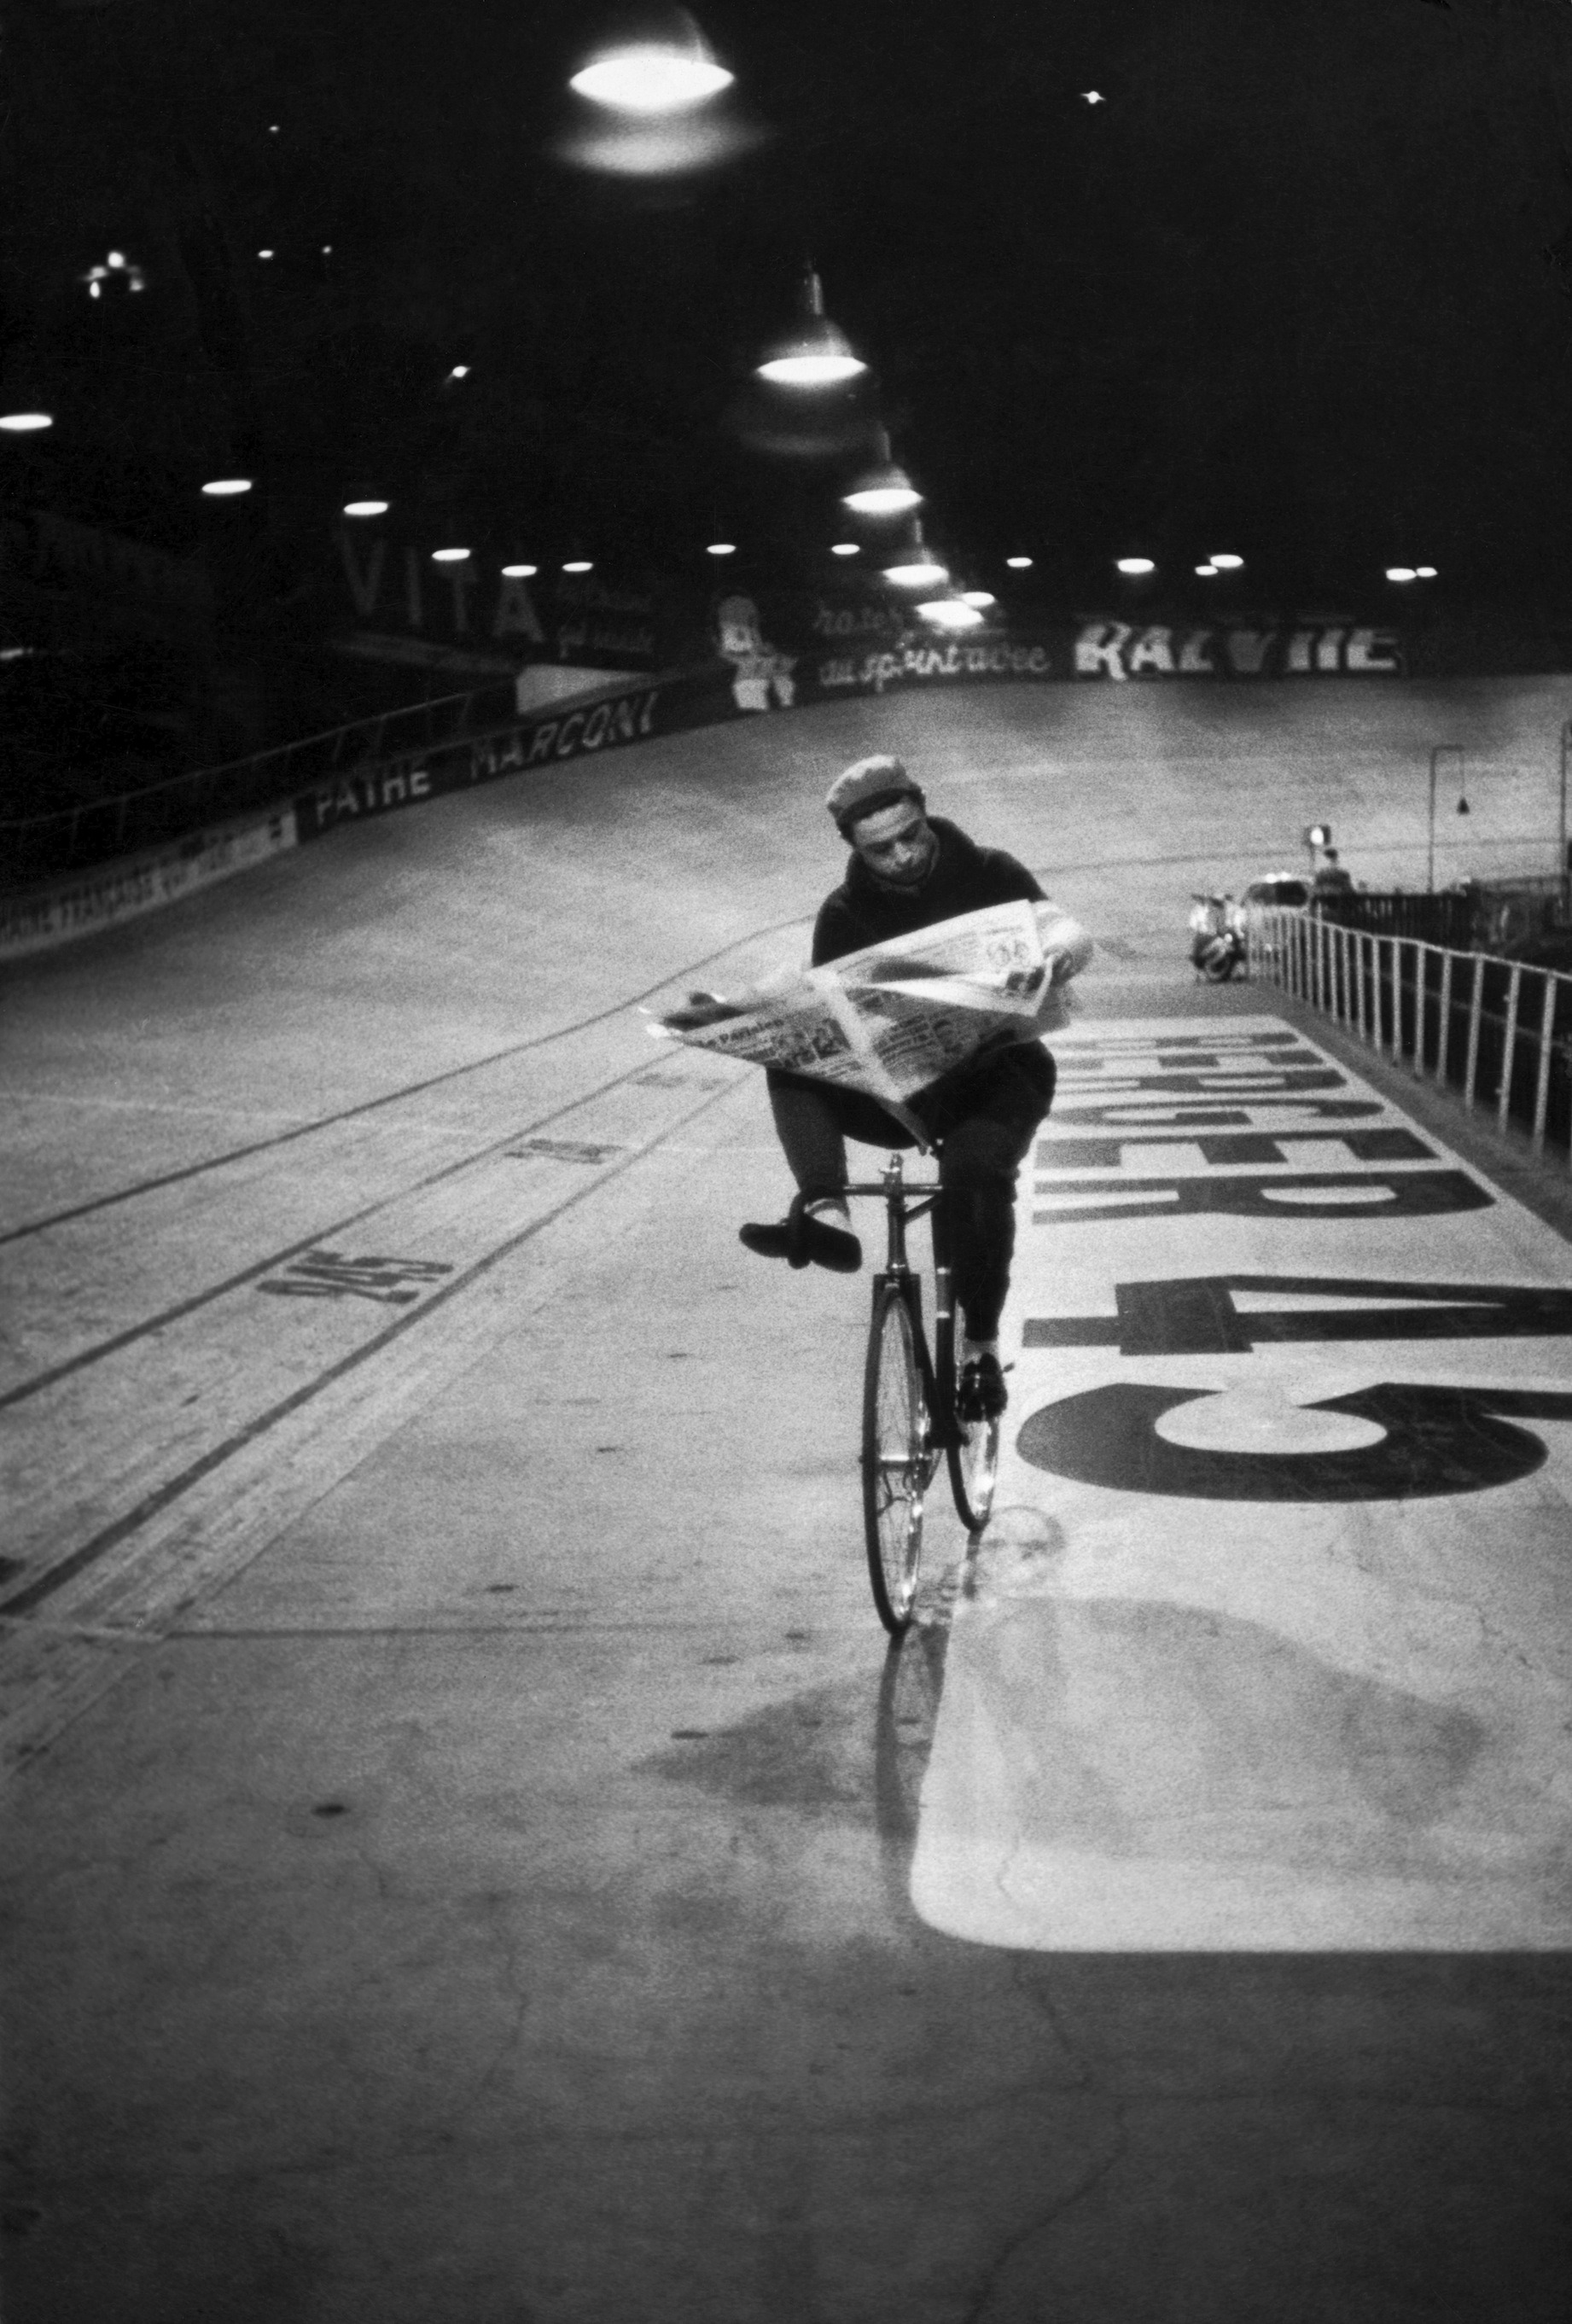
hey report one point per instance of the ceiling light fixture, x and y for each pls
(843, 547)
(366, 508)
(25, 423)
(1135, 565)
(721, 548)
(449, 556)
(950, 613)
(816, 354)
(116, 268)
(883, 490)
(579, 564)
(1401, 573)
(916, 566)
(1225, 563)
(663, 64)
(520, 572)
(222, 488)
(1018, 564)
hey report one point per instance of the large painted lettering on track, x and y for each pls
(1266, 1646)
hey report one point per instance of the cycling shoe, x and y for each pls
(813, 1242)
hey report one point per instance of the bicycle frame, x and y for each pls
(906, 1201)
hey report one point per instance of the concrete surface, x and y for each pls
(460, 1844)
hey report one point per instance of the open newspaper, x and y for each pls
(891, 1019)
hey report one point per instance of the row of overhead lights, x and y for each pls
(885, 491)
(671, 75)
(683, 73)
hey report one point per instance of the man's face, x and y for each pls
(897, 844)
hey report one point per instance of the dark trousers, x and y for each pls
(981, 1117)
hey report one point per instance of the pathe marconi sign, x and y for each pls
(573, 731)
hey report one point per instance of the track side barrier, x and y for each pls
(1497, 1031)
(581, 726)
(44, 917)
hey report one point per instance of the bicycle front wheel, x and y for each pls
(896, 1463)
(974, 1469)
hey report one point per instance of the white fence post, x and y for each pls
(1509, 1047)
(1542, 1084)
(1475, 1000)
(1359, 982)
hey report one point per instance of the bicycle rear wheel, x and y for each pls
(896, 1460)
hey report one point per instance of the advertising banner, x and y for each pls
(667, 704)
(38, 921)
(1104, 652)
(403, 601)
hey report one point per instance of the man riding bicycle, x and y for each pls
(909, 871)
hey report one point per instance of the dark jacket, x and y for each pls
(966, 877)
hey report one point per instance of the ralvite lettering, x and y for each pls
(1120, 650)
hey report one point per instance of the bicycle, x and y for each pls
(909, 1416)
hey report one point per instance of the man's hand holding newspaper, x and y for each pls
(893, 1018)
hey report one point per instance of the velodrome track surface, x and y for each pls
(464, 1831)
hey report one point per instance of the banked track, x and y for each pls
(115, 1529)
(161, 1442)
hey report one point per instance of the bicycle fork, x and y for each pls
(938, 1371)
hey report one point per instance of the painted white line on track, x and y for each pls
(1268, 1647)
(139, 1484)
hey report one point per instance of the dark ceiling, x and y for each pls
(1301, 286)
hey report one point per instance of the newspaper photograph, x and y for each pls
(893, 1018)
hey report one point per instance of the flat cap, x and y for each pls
(866, 784)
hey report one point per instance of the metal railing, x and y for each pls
(1499, 916)
(96, 831)
(1499, 1031)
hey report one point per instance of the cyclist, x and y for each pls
(908, 869)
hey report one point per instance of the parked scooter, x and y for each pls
(1217, 942)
